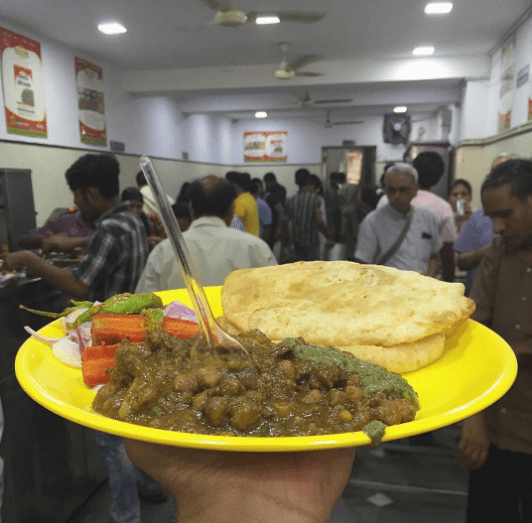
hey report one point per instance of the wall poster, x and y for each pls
(91, 108)
(265, 146)
(22, 81)
(506, 98)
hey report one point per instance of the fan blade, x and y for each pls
(300, 16)
(303, 60)
(338, 101)
(219, 5)
(356, 122)
(307, 74)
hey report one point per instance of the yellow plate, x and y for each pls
(477, 368)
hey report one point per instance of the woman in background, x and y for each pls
(460, 200)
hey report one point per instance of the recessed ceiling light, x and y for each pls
(400, 109)
(267, 19)
(112, 28)
(261, 114)
(423, 51)
(438, 8)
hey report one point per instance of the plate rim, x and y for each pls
(93, 420)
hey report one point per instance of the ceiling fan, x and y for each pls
(288, 70)
(229, 15)
(307, 101)
(328, 124)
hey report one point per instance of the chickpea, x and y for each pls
(344, 416)
(312, 396)
(353, 392)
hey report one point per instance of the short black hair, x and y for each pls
(183, 195)
(141, 179)
(517, 173)
(95, 170)
(465, 183)
(215, 202)
(370, 194)
(270, 177)
(241, 179)
(316, 180)
(131, 193)
(302, 177)
(338, 177)
(181, 209)
(430, 167)
(257, 185)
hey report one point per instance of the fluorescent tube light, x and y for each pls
(112, 28)
(438, 8)
(261, 114)
(267, 19)
(423, 51)
(400, 109)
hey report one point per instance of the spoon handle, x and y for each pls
(186, 265)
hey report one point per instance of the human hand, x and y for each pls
(16, 260)
(472, 449)
(59, 242)
(238, 487)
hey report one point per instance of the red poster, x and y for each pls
(91, 107)
(23, 85)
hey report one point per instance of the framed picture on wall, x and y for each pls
(270, 146)
(22, 80)
(91, 107)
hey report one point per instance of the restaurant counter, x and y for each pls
(51, 465)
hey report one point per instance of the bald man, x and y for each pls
(216, 248)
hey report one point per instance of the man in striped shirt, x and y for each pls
(303, 211)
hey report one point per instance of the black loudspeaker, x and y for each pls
(396, 128)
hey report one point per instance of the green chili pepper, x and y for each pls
(55, 315)
(120, 304)
(128, 304)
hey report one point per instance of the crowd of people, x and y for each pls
(239, 222)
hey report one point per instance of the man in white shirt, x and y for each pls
(399, 234)
(216, 249)
(430, 168)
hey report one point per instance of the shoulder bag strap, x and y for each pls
(393, 249)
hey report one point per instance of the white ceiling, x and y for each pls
(365, 49)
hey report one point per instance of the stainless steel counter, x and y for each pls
(52, 466)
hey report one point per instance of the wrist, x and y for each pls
(241, 506)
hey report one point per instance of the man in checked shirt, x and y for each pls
(115, 258)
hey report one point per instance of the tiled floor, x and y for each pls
(401, 482)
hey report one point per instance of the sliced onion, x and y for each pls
(67, 351)
(177, 309)
(70, 318)
(46, 339)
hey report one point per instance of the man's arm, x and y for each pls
(447, 262)
(434, 266)
(472, 449)
(63, 243)
(318, 219)
(31, 241)
(61, 279)
(469, 260)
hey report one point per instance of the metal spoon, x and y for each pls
(214, 334)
